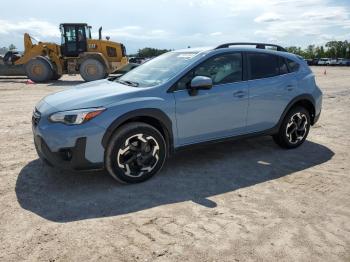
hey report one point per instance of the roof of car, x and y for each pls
(195, 49)
(236, 48)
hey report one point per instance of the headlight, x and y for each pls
(76, 117)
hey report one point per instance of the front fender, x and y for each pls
(153, 113)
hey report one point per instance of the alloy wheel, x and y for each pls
(297, 128)
(138, 155)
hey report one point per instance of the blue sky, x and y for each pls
(177, 24)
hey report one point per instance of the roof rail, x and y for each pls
(257, 45)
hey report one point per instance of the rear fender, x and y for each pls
(295, 101)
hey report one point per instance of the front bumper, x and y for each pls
(70, 158)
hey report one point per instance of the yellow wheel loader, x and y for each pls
(78, 54)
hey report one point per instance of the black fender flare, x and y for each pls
(154, 113)
(293, 102)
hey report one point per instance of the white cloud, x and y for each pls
(177, 24)
(35, 27)
(302, 18)
(280, 18)
(216, 34)
(268, 17)
(135, 32)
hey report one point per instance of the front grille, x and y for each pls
(36, 117)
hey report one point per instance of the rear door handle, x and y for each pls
(239, 94)
(289, 87)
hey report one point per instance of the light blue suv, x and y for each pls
(131, 124)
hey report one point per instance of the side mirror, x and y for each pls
(200, 83)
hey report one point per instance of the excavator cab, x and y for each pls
(74, 39)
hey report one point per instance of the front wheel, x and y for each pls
(294, 128)
(92, 69)
(135, 153)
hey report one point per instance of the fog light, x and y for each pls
(66, 154)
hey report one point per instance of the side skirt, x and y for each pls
(267, 132)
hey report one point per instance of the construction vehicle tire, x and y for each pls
(55, 76)
(38, 70)
(92, 69)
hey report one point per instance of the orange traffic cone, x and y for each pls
(30, 82)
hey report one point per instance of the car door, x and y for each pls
(215, 113)
(271, 87)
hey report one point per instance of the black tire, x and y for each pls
(92, 69)
(55, 76)
(294, 128)
(38, 70)
(134, 148)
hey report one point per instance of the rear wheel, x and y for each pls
(135, 153)
(38, 70)
(92, 69)
(294, 129)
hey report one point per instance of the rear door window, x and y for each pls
(262, 65)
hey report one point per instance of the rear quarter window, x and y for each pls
(283, 66)
(292, 65)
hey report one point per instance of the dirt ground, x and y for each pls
(239, 201)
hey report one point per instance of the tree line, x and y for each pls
(148, 52)
(332, 49)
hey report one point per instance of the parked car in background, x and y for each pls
(136, 60)
(313, 61)
(308, 61)
(182, 98)
(324, 61)
(333, 61)
(139, 60)
(343, 62)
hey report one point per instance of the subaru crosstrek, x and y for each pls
(131, 124)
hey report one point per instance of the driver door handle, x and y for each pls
(239, 94)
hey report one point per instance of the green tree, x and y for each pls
(12, 47)
(296, 50)
(332, 49)
(148, 52)
(320, 52)
(310, 51)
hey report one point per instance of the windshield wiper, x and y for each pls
(127, 82)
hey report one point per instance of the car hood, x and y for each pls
(92, 94)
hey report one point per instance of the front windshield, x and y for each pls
(158, 70)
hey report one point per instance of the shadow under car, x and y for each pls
(194, 175)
